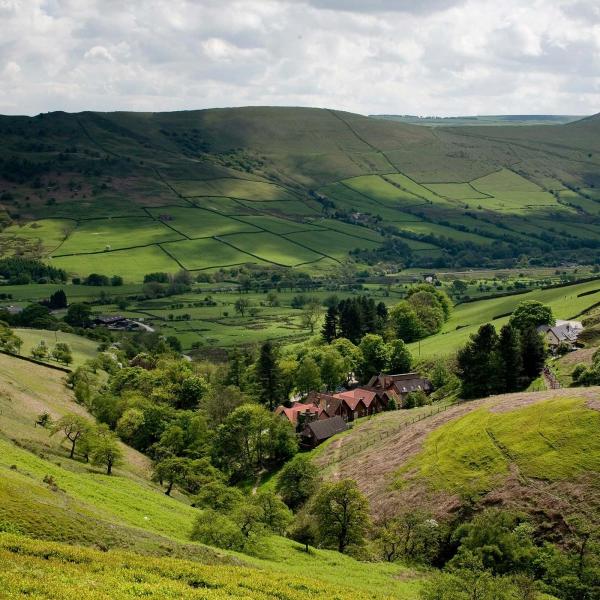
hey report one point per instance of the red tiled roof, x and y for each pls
(297, 408)
(353, 397)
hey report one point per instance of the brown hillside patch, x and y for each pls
(584, 355)
(373, 467)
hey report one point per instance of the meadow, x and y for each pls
(566, 303)
(474, 453)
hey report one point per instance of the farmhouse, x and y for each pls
(349, 405)
(563, 333)
(119, 322)
(316, 432)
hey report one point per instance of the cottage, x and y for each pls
(562, 333)
(397, 387)
(299, 413)
(317, 432)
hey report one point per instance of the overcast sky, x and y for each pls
(423, 57)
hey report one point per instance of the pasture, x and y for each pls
(566, 303)
(100, 235)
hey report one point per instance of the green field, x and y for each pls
(40, 237)
(474, 453)
(130, 264)
(233, 188)
(466, 318)
(113, 234)
(196, 222)
(81, 348)
(273, 248)
(207, 253)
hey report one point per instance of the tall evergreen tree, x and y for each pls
(533, 353)
(268, 376)
(477, 363)
(351, 324)
(510, 363)
(57, 300)
(331, 325)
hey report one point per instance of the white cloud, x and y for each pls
(394, 56)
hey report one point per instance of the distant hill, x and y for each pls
(129, 193)
(497, 120)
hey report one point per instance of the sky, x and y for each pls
(419, 57)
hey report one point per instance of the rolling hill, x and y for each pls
(131, 193)
(533, 452)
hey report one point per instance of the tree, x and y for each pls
(400, 359)
(251, 438)
(57, 300)
(374, 357)
(477, 363)
(73, 427)
(40, 351)
(78, 315)
(531, 313)
(308, 376)
(331, 324)
(9, 342)
(170, 471)
(412, 535)
(105, 450)
(458, 287)
(241, 306)
(268, 376)
(342, 514)
(533, 353)
(297, 481)
(311, 313)
(333, 368)
(274, 514)
(405, 322)
(509, 359)
(62, 353)
(304, 529)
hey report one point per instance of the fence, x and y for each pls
(376, 436)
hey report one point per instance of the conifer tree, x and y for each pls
(533, 353)
(510, 362)
(477, 363)
(330, 327)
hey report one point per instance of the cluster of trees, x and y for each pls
(353, 318)
(20, 271)
(587, 375)
(494, 364)
(421, 313)
(94, 443)
(98, 280)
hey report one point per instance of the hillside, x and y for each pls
(132, 193)
(131, 525)
(514, 451)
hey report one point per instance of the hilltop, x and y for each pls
(513, 451)
(132, 193)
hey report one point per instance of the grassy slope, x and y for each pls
(81, 348)
(513, 449)
(467, 318)
(127, 511)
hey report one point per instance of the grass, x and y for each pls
(467, 318)
(332, 243)
(44, 569)
(79, 505)
(257, 191)
(114, 234)
(41, 237)
(196, 222)
(279, 226)
(81, 348)
(208, 253)
(472, 454)
(273, 248)
(130, 264)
